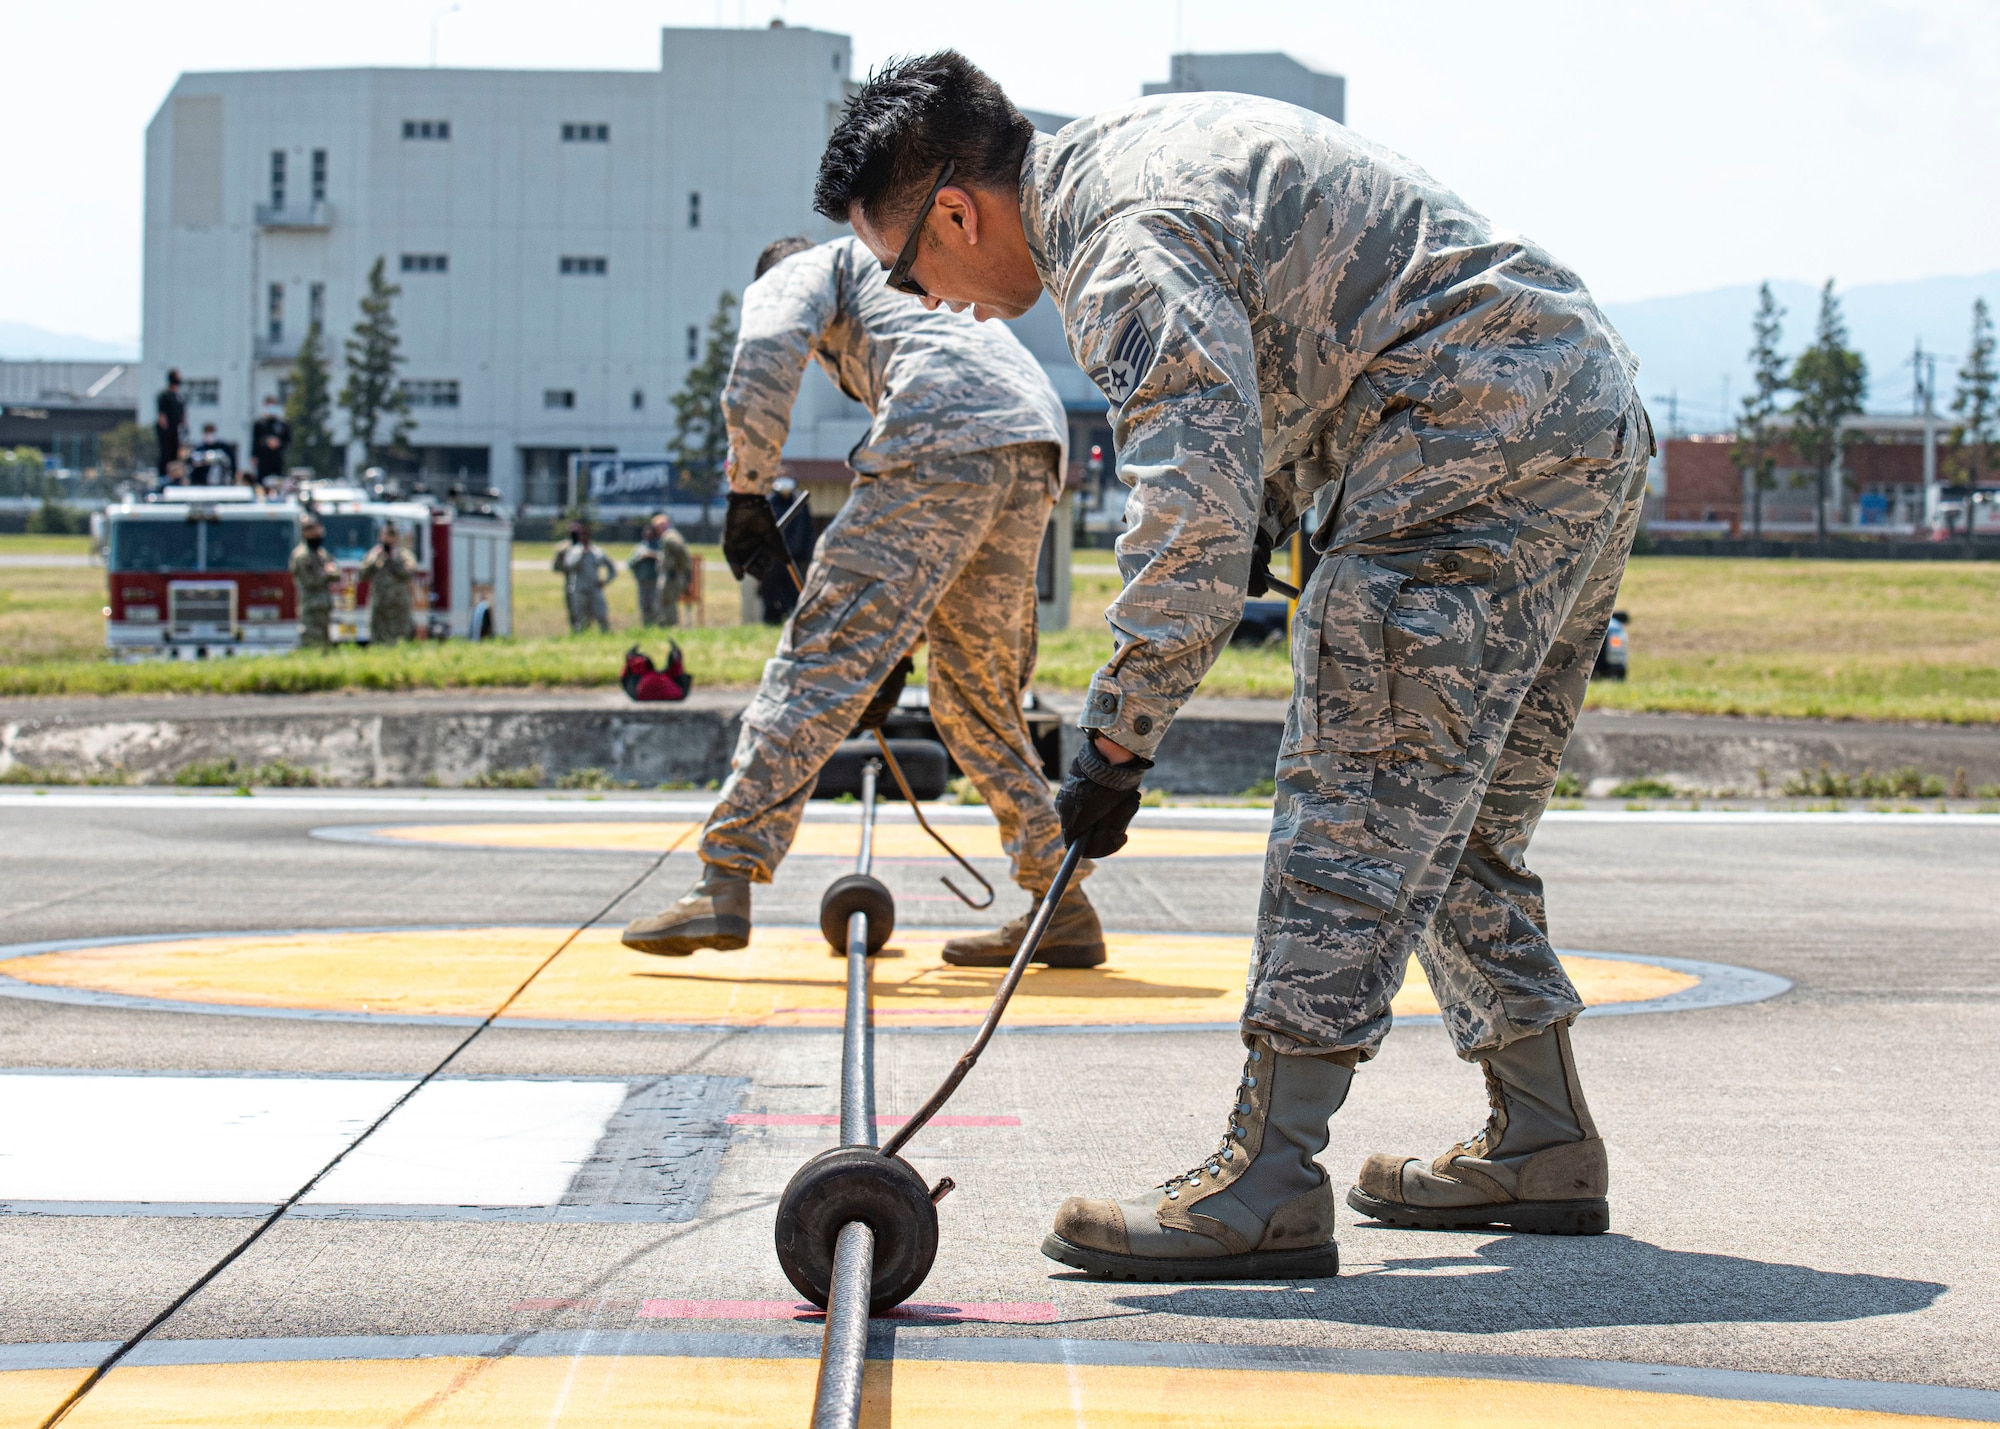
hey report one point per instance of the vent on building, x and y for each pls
(586, 133)
(427, 129)
(426, 263)
(198, 161)
(559, 397)
(584, 267)
(430, 392)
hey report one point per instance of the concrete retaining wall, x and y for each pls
(1216, 747)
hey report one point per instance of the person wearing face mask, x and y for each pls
(391, 576)
(315, 574)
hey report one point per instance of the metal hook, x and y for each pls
(896, 770)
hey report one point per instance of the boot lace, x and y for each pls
(1230, 1145)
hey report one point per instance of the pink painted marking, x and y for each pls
(774, 1118)
(995, 1313)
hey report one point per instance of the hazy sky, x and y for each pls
(1660, 148)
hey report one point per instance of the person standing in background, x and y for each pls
(315, 573)
(586, 571)
(676, 569)
(169, 421)
(779, 591)
(270, 434)
(644, 564)
(391, 576)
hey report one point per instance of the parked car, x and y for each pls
(1614, 658)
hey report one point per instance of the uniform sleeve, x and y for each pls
(1157, 321)
(783, 312)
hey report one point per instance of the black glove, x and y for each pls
(1260, 566)
(884, 701)
(751, 541)
(1098, 799)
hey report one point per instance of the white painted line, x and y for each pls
(176, 1138)
(477, 1144)
(256, 1140)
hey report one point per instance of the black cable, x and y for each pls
(110, 1362)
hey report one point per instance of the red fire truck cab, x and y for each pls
(465, 558)
(198, 573)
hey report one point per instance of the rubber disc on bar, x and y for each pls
(857, 893)
(857, 1183)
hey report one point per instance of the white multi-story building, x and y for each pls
(560, 239)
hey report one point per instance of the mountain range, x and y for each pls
(1690, 346)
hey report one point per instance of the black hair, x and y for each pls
(778, 252)
(911, 118)
(173, 376)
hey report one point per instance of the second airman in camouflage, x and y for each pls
(939, 539)
(314, 575)
(1292, 323)
(391, 577)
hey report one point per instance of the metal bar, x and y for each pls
(896, 771)
(843, 1355)
(1029, 942)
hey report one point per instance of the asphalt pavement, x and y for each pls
(1805, 1220)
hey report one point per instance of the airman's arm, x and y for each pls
(783, 312)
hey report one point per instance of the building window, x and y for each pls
(638, 400)
(204, 391)
(274, 313)
(694, 210)
(316, 305)
(277, 178)
(430, 392)
(586, 133)
(562, 398)
(584, 267)
(426, 263)
(319, 176)
(427, 129)
(694, 342)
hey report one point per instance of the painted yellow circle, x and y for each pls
(842, 840)
(610, 1392)
(787, 977)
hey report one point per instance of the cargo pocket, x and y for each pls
(1360, 878)
(1340, 685)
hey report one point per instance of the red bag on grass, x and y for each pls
(645, 681)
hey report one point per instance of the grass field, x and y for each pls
(1834, 639)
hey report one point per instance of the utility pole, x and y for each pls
(1923, 366)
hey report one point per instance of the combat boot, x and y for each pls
(1073, 939)
(1537, 1166)
(1259, 1208)
(714, 913)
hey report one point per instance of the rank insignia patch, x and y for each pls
(1131, 355)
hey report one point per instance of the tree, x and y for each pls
(309, 410)
(1830, 379)
(1755, 452)
(124, 449)
(371, 395)
(1977, 430)
(700, 444)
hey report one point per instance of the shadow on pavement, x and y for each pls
(1539, 1283)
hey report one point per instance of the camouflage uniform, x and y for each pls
(954, 485)
(1291, 321)
(644, 564)
(586, 571)
(676, 574)
(314, 573)
(390, 576)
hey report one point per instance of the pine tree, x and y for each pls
(1977, 430)
(309, 410)
(1830, 379)
(1756, 443)
(700, 444)
(371, 394)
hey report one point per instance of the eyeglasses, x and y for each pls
(899, 276)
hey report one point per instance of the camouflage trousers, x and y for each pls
(587, 608)
(946, 551)
(1438, 672)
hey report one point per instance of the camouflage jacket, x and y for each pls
(390, 576)
(1283, 316)
(938, 384)
(583, 568)
(315, 574)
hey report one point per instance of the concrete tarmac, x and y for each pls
(1806, 1225)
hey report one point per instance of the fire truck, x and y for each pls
(197, 573)
(463, 551)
